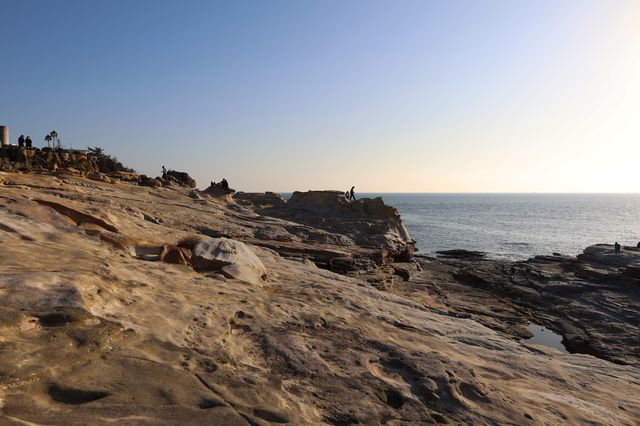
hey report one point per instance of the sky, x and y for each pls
(389, 96)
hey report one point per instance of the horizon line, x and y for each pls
(457, 192)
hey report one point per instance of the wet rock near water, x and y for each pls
(461, 254)
(593, 301)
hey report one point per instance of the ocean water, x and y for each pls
(517, 226)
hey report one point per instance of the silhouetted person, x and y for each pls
(224, 184)
(21, 141)
(164, 173)
(616, 248)
(352, 195)
(347, 194)
(28, 142)
(638, 244)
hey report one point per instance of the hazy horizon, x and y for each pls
(395, 97)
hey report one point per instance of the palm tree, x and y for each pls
(97, 151)
(53, 137)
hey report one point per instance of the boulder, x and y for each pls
(230, 257)
(217, 190)
(144, 180)
(181, 178)
(127, 176)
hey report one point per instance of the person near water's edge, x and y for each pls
(352, 194)
(616, 248)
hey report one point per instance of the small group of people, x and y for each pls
(350, 194)
(617, 248)
(223, 184)
(22, 142)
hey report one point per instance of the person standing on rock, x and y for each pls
(21, 141)
(352, 195)
(616, 248)
(28, 142)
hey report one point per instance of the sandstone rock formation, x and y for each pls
(367, 222)
(181, 178)
(259, 200)
(232, 258)
(94, 329)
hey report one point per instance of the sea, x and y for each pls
(517, 226)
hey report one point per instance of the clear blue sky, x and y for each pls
(386, 95)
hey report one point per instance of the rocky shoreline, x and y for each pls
(156, 304)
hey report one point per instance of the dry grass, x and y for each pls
(189, 242)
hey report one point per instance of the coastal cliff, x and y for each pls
(166, 305)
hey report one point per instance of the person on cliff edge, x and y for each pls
(21, 141)
(28, 142)
(616, 248)
(352, 194)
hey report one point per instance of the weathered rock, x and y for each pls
(344, 264)
(266, 199)
(100, 177)
(605, 254)
(334, 204)
(181, 178)
(367, 222)
(91, 335)
(127, 176)
(598, 287)
(144, 180)
(76, 216)
(218, 190)
(233, 258)
(461, 254)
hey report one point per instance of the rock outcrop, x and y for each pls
(259, 199)
(102, 322)
(599, 288)
(232, 258)
(367, 222)
(180, 178)
(605, 254)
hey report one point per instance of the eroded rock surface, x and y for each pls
(92, 333)
(233, 258)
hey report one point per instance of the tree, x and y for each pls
(53, 137)
(107, 163)
(96, 150)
